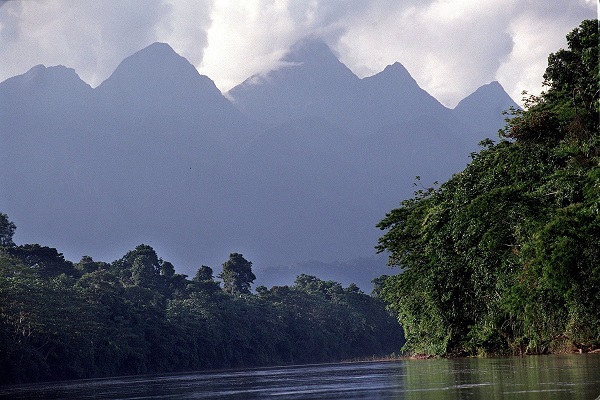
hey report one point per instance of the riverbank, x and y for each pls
(420, 356)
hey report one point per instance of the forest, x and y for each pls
(61, 320)
(504, 258)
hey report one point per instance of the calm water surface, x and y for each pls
(533, 377)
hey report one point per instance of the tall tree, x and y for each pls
(139, 267)
(203, 274)
(7, 230)
(237, 275)
(45, 261)
(570, 106)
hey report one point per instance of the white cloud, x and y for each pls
(248, 37)
(185, 28)
(536, 33)
(451, 47)
(90, 36)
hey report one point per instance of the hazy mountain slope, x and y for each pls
(313, 83)
(156, 154)
(137, 159)
(481, 111)
(310, 82)
(159, 90)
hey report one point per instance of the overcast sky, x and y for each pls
(451, 47)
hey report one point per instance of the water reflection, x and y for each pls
(532, 377)
(544, 377)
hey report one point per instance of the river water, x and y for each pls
(533, 377)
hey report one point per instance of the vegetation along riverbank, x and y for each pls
(504, 258)
(62, 320)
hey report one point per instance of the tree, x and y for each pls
(573, 74)
(571, 105)
(237, 275)
(7, 230)
(167, 269)
(87, 265)
(203, 274)
(45, 261)
(99, 323)
(139, 267)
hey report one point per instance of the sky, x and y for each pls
(451, 47)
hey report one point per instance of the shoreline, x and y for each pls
(422, 356)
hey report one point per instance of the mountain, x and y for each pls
(483, 108)
(96, 171)
(158, 79)
(311, 81)
(393, 97)
(297, 164)
(50, 91)
(164, 90)
(42, 82)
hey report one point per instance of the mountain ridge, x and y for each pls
(157, 154)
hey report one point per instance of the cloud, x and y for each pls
(91, 36)
(185, 28)
(248, 37)
(451, 47)
(537, 32)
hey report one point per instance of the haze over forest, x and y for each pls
(293, 168)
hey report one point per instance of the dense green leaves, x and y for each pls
(505, 256)
(7, 230)
(136, 315)
(237, 275)
(570, 107)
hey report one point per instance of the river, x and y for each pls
(533, 377)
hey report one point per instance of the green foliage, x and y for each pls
(204, 274)
(7, 230)
(505, 256)
(45, 261)
(570, 107)
(237, 275)
(136, 315)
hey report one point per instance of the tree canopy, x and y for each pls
(237, 275)
(7, 230)
(505, 256)
(60, 320)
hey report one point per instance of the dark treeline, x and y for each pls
(504, 258)
(62, 320)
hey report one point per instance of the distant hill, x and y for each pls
(297, 164)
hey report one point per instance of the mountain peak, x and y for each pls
(156, 77)
(159, 46)
(396, 67)
(492, 87)
(54, 73)
(487, 95)
(314, 57)
(154, 62)
(395, 72)
(157, 51)
(482, 109)
(310, 80)
(309, 50)
(52, 80)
